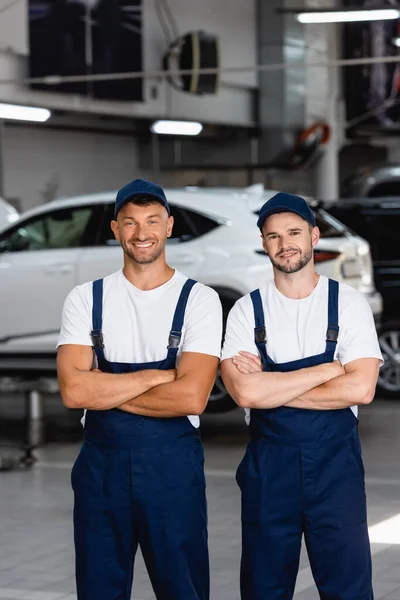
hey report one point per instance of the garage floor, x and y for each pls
(36, 549)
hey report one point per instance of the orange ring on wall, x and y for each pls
(326, 133)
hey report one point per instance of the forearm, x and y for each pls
(103, 391)
(341, 392)
(273, 389)
(169, 400)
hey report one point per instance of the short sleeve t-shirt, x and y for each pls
(137, 323)
(296, 328)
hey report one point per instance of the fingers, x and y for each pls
(247, 363)
(254, 360)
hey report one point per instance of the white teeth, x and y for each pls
(143, 245)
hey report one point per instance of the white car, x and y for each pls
(215, 240)
(8, 214)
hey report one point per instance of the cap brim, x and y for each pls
(137, 194)
(277, 210)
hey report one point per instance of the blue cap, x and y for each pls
(283, 202)
(140, 187)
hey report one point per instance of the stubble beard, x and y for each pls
(297, 266)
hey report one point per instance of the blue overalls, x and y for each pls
(303, 474)
(140, 480)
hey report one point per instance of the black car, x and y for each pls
(378, 221)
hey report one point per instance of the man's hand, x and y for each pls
(186, 392)
(81, 386)
(247, 363)
(336, 368)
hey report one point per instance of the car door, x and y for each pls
(184, 251)
(38, 259)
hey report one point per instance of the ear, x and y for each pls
(115, 229)
(170, 225)
(315, 235)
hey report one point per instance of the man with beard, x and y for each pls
(299, 355)
(139, 351)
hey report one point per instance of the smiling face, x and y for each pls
(142, 228)
(289, 241)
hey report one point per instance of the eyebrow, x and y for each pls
(292, 229)
(149, 217)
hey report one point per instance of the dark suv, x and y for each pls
(377, 220)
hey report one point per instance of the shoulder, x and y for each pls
(243, 309)
(199, 292)
(350, 299)
(83, 293)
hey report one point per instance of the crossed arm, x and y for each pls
(324, 387)
(149, 392)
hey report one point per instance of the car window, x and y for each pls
(63, 228)
(201, 224)
(182, 230)
(388, 188)
(328, 226)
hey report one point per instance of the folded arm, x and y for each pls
(355, 387)
(82, 387)
(187, 395)
(252, 388)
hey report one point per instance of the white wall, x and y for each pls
(40, 162)
(232, 20)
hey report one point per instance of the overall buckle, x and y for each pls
(97, 338)
(260, 334)
(174, 339)
(332, 334)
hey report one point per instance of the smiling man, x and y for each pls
(300, 354)
(139, 351)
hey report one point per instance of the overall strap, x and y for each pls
(332, 332)
(97, 319)
(179, 316)
(260, 336)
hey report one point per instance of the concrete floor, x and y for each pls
(36, 549)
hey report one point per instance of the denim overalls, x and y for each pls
(140, 481)
(303, 474)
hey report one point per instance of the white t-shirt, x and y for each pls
(137, 323)
(296, 329)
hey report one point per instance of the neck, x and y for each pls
(147, 277)
(297, 285)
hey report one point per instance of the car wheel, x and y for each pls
(219, 400)
(389, 374)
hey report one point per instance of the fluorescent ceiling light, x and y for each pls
(177, 127)
(348, 16)
(24, 113)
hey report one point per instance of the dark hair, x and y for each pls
(144, 201)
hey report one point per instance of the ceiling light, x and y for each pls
(348, 16)
(177, 127)
(396, 42)
(24, 113)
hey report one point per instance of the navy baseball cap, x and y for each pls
(140, 187)
(283, 202)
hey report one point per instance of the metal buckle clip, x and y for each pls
(332, 334)
(174, 339)
(97, 338)
(260, 334)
